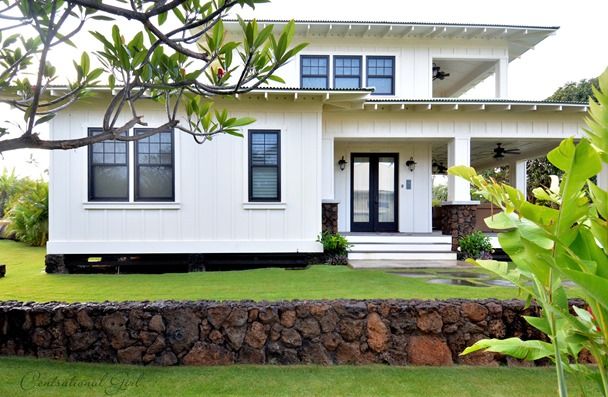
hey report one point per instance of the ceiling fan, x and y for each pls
(499, 151)
(439, 74)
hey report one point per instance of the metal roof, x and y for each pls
(403, 23)
(475, 101)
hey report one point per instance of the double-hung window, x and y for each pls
(264, 165)
(108, 170)
(154, 172)
(314, 71)
(152, 165)
(381, 74)
(347, 72)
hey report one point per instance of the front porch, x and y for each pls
(379, 165)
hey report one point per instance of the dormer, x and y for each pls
(403, 59)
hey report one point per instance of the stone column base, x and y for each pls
(55, 264)
(458, 219)
(329, 216)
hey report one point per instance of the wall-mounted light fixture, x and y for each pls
(342, 163)
(411, 164)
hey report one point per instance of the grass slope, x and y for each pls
(31, 377)
(26, 281)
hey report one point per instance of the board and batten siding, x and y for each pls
(413, 58)
(211, 212)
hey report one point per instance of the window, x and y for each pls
(264, 165)
(108, 170)
(347, 72)
(314, 71)
(381, 75)
(154, 171)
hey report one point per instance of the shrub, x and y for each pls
(28, 214)
(475, 246)
(335, 248)
(10, 186)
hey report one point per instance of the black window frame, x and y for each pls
(137, 166)
(326, 76)
(383, 57)
(359, 76)
(91, 131)
(250, 167)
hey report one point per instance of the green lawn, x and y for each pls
(26, 281)
(41, 378)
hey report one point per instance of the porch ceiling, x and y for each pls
(482, 150)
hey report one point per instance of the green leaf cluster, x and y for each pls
(549, 245)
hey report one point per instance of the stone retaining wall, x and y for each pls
(397, 332)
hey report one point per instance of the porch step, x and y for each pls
(419, 247)
(399, 238)
(401, 247)
(402, 256)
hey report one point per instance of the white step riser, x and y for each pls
(399, 239)
(402, 255)
(401, 247)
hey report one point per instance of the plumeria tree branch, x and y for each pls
(181, 58)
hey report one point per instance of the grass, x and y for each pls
(38, 376)
(26, 280)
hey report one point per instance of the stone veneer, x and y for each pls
(396, 332)
(329, 214)
(458, 220)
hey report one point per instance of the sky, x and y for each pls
(575, 52)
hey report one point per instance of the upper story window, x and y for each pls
(153, 165)
(264, 165)
(314, 71)
(381, 74)
(347, 72)
(108, 170)
(154, 172)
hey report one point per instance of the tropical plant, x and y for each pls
(335, 248)
(475, 245)
(549, 245)
(28, 214)
(180, 57)
(440, 194)
(9, 186)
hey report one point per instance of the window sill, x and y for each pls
(131, 206)
(264, 206)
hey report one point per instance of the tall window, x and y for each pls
(264, 165)
(347, 72)
(381, 75)
(154, 171)
(314, 71)
(108, 170)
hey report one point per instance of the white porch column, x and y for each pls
(501, 77)
(459, 153)
(602, 178)
(328, 168)
(518, 176)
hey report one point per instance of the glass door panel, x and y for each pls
(386, 189)
(361, 189)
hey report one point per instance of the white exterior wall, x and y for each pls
(211, 213)
(413, 59)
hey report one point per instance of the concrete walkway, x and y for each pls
(407, 264)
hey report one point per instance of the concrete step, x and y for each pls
(399, 247)
(402, 256)
(399, 239)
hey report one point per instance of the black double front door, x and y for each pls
(374, 203)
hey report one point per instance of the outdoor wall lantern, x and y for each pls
(342, 163)
(411, 164)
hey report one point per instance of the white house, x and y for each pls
(360, 128)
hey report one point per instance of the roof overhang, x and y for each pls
(520, 38)
(480, 105)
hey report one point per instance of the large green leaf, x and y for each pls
(523, 349)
